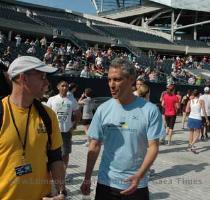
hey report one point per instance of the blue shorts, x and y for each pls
(194, 123)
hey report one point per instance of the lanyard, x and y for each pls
(17, 131)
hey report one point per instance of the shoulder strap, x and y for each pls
(1, 113)
(46, 119)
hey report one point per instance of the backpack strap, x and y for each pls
(46, 119)
(1, 113)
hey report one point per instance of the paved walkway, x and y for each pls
(179, 174)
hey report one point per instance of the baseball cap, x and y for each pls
(206, 89)
(26, 63)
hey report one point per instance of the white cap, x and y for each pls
(26, 63)
(206, 89)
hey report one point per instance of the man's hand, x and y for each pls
(85, 187)
(58, 197)
(134, 182)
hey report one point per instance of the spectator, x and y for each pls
(31, 50)
(85, 73)
(139, 83)
(206, 99)
(170, 104)
(5, 82)
(194, 107)
(64, 109)
(87, 111)
(18, 40)
(43, 43)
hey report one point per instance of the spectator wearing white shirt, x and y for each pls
(18, 40)
(206, 98)
(85, 73)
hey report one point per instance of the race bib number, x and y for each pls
(62, 116)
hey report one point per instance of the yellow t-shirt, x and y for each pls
(34, 185)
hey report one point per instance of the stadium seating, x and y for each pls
(193, 43)
(66, 24)
(120, 32)
(54, 14)
(12, 14)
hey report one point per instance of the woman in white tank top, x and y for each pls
(195, 106)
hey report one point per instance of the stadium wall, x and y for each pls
(101, 89)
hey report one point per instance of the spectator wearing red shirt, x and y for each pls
(170, 104)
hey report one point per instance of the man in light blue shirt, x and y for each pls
(130, 128)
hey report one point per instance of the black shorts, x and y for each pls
(104, 192)
(86, 121)
(67, 143)
(170, 121)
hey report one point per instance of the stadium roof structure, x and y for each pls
(84, 29)
(109, 5)
(196, 5)
(185, 19)
(104, 5)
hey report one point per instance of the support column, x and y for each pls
(10, 36)
(102, 4)
(172, 25)
(195, 27)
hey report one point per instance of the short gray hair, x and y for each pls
(126, 66)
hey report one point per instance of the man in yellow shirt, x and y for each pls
(24, 173)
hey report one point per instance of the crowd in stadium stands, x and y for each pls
(94, 62)
(180, 65)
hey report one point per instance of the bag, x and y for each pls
(42, 113)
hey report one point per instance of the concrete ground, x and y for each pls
(179, 174)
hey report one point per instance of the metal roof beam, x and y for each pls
(94, 4)
(154, 17)
(192, 25)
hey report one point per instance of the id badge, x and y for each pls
(23, 169)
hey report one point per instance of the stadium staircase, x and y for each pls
(66, 32)
(119, 42)
(37, 20)
(75, 40)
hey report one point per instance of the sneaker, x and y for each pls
(189, 147)
(193, 150)
(202, 138)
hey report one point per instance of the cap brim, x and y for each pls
(47, 69)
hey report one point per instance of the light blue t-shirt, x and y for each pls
(125, 131)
